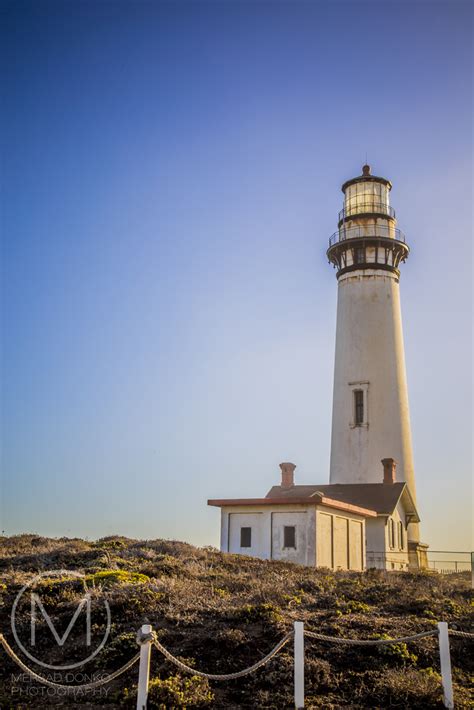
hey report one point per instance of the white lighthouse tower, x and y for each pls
(370, 419)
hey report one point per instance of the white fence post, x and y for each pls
(445, 662)
(299, 664)
(144, 669)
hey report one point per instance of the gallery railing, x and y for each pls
(369, 232)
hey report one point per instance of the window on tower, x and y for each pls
(359, 255)
(359, 403)
(358, 407)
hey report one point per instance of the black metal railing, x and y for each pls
(369, 232)
(451, 561)
(369, 207)
(442, 561)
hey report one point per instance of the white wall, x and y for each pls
(380, 553)
(370, 356)
(340, 539)
(324, 536)
(256, 522)
(305, 535)
(267, 525)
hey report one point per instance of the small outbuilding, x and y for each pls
(339, 526)
(295, 524)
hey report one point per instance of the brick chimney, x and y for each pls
(287, 475)
(389, 470)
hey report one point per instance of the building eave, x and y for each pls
(333, 503)
(313, 501)
(406, 498)
(413, 513)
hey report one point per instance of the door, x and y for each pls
(341, 560)
(324, 541)
(355, 544)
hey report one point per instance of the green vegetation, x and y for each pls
(397, 651)
(109, 577)
(220, 613)
(265, 614)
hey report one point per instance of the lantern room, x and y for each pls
(366, 195)
(367, 237)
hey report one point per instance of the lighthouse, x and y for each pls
(370, 418)
(367, 515)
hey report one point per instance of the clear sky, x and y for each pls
(171, 174)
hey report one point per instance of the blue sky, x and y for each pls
(171, 175)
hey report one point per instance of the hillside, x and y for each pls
(222, 613)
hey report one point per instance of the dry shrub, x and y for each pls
(227, 611)
(317, 674)
(407, 688)
(231, 638)
(178, 692)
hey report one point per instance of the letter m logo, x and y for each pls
(37, 603)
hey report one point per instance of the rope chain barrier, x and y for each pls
(369, 642)
(68, 688)
(222, 676)
(152, 638)
(464, 634)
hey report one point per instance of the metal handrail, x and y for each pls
(458, 565)
(450, 552)
(370, 207)
(385, 231)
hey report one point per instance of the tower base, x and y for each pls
(417, 555)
